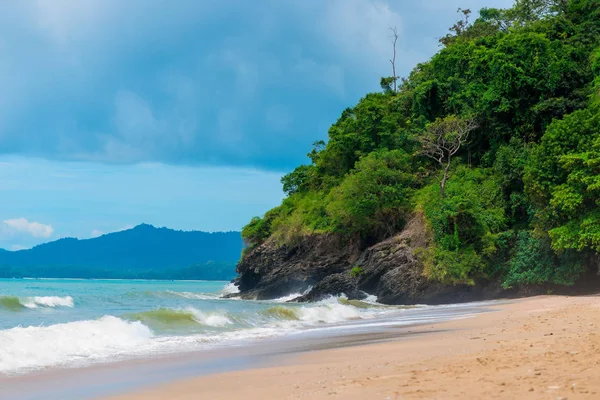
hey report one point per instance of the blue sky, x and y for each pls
(184, 113)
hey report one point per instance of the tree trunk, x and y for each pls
(443, 182)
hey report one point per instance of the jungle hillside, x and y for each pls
(495, 141)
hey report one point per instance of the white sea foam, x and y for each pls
(287, 298)
(69, 343)
(331, 311)
(371, 299)
(47, 301)
(210, 319)
(292, 296)
(230, 288)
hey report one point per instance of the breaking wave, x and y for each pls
(164, 317)
(14, 303)
(69, 343)
(181, 321)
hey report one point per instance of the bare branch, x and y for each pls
(443, 139)
(394, 37)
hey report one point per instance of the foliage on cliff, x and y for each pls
(520, 198)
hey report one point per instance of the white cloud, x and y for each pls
(17, 247)
(35, 229)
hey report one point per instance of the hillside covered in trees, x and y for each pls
(494, 143)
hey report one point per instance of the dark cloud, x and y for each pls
(188, 82)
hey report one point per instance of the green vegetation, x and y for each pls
(496, 140)
(356, 271)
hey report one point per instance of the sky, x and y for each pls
(182, 113)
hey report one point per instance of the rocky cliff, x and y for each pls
(323, 265)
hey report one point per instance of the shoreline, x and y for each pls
(105, 379)
(536, 348)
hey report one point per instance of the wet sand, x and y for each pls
(540, 348)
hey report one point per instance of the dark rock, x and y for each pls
(271, 271)
(394, 273)
(390, 270)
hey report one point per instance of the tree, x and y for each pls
(389, 84)
(596, 72)
(375, 199)
(298, 180)
(527, 11)
(393, 60)
(459, 28)
(563, 178)
(443, 139)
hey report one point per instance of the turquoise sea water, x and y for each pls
(49, 323)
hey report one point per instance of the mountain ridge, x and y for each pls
(142, 251)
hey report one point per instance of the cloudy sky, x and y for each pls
(181, 113)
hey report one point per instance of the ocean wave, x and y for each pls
(193, 296)
(165, 330)
(68, 343)
(11, 303)
(48, 301)
(14, 303)
(281, 313)
(229, 288)
(333, 310)
(168, 317)
(171, 294)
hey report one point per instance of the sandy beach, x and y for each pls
(538, 348)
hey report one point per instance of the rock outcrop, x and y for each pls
(324, 265)
(271, 271)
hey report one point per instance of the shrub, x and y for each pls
(356, 271)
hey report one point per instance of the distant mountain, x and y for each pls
(142, 252)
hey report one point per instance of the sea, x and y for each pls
(48, 324)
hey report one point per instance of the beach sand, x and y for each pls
(539, 348)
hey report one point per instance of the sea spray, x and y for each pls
(288, 298)
(230, 288)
